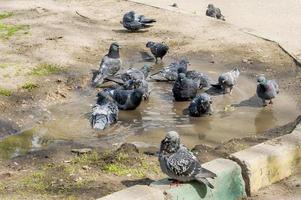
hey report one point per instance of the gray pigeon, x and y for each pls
(227, 80)
(184, 88)
(170, 73)
(134, 22)
(109, 66)
(202, 79)
(136, 74)
(104, 113)
(200, 105)
(266, 89)
(159, 50)
(179, 163)
(214, 12)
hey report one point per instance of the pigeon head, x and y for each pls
(261, 79)
(146, 68)
(114, 50)
(184, 62)
(206, 102)
(171, 142)
(235, 72)
(182, 76)
(210, 6)
(150, 44)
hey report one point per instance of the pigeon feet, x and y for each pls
(271, 102)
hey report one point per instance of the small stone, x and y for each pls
(298, 185)
(174, 5)
(82, 151)
(245, 60)
(86, 167)
(78, 179)
(67, 161)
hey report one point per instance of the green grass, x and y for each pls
(5, 92)
(7, 30)
(3, 65)
(45, 69)
(30, 86)
(4, 15)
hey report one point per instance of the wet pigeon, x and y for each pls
(159, 50)
(266, 89)
(214, 12)
(179, 163)
(202, 80)
(127, 99)
(170, 73)
(227, 80)
(200, 105)
(109, 66)
(134, 22)
(136, 74)
(184, 88)
(104, 113)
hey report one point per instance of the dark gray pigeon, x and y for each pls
(104, 113)
(134, 22)
(159, 50)
(266, 89)
(109, 66)
(214, 12)
(170, 73)
(227, 81)
(202, 79)
(199, 106)
(179, 163)
(184, 89)
(136, 74)
(127, 99)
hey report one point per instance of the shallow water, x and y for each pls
(147, 125)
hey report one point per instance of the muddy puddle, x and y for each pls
(147, 125)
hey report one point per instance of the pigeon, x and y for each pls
(109, 66)
(227, 80)
(159, 50)
(200, 105)
(184, 88)
(136, 74)
(170, 73)
(214, 12)
(202, 80)
(266, 89)
(179, 163)
(134, 22)
(104, 113)
(127, 99)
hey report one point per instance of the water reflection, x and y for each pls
(265, 119)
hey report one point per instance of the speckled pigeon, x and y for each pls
(170, 73)
(104, 112)
(202, 79)
(199, 106)
(159, 50)
(227, 80)
(266, 89)
(127, 99)
(184, 88)
(109, 66)
(214, 12)
(179, 163)
(134, 22)
(136, 74)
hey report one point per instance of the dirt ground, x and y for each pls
(51, 53)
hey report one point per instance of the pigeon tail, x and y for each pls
(99, 121)
(99, 79)
(146, 26)
(148, 21)
(206, 182)
(217, 86)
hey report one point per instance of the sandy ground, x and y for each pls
(57, 35)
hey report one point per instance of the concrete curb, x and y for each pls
(271, 161)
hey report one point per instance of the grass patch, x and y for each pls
(45, 69)
(7, 30)
(3, 65)
(4, 15)
(30, 86)
(5, 92)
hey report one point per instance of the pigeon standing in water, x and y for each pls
(214, 12)
(200, 105)
(179, 163)
(104, 113)
(202, 80)
(170, 73)
(159, 50)
(109, 66)
(266, 89)
(134, 22)
(227, 80)
(184, 88)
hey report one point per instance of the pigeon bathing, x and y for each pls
(134, 22)
(179, 163)
(227, 81)
(266, 89)
(184, 89)
(159, 50)
(104, 113)
(200, 105)
(136, 74)
(214, 12)
(109, 66)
